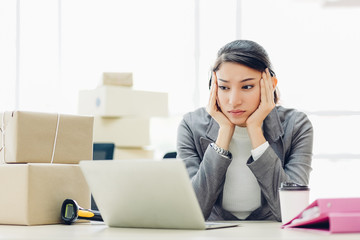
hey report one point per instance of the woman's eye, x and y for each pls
(248, 87)
(223, 88)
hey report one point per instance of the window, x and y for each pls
(64, 46)
(8, 51)
(314, 49)
(51, 52)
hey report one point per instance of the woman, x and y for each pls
(242, 146)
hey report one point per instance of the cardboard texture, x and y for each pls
(334, 215)
(124, 132)
(118, 79)
(32, 194)
(29, 138)
(133, 153)
(113, 101)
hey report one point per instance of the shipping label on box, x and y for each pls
(113, 101)
(124, 132)
(30, 137)
(32, 194)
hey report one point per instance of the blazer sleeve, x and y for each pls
(268, 168)
(207, 174)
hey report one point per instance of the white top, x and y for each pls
(242, 193)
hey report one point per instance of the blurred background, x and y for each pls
(52, 49)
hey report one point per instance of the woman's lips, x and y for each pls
(236, 113)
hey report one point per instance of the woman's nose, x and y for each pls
(234, 98)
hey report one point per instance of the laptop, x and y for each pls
(145, 194)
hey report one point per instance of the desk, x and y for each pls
(246, 230)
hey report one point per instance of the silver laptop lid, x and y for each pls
(144, 193)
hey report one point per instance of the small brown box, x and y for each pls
(29, 137)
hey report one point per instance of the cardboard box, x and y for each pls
(113, 101)
(29, 138)
(124, 132)
(133, 153)
(118, 79)
(32, 194)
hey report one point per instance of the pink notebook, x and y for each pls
(335, 215)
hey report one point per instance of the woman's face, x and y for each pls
(238, 91)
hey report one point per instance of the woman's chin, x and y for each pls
(238, 122)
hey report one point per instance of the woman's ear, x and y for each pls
(275, 81)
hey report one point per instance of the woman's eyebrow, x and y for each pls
(244, 80)
(222, 80)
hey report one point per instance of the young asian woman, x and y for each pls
(242, 145)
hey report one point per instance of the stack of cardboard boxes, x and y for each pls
(122, 114)
(39, 156)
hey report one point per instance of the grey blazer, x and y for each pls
(290, 135)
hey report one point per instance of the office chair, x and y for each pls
(102, 151)
(170, 155)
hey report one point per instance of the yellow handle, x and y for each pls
(82, 213)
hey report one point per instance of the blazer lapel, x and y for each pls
(211, 135)
(274, 132)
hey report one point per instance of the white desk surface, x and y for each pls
(246, 230)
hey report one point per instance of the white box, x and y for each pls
(124, 132)
(116, 101)
(133, 153)
(118, 79)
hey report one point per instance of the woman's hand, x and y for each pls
(267, 104)
(213, 107)
(227, 128)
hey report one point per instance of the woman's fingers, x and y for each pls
(271, 86)
(268, 85)
(264, 88)
(263, 97)
(266, 100)
(213, 94)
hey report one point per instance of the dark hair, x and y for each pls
(247, 53)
